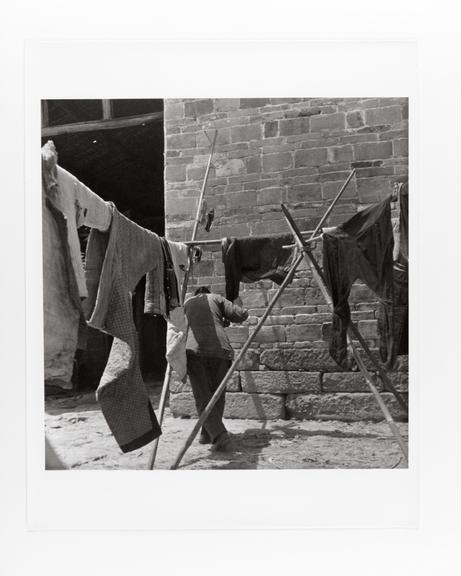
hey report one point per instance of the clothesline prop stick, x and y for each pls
(166, 380)
(234, 365)
(333, 204)
(318, 275)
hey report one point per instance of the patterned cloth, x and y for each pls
(115, 262)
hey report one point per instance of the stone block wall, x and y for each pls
(298, 151)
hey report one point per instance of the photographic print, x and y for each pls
(225, 283)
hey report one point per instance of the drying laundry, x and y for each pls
(115, 262)
(81, 207)
(61, 301)
(361, 248)
(251, 259)
(400, 286)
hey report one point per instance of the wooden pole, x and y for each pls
(231, 370)
(318, 275)
(166, 380)
(227, 377)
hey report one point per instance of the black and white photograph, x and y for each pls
(225, 283)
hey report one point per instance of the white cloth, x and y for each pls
(81, 207)
(176, 335)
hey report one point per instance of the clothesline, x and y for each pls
(218, 241)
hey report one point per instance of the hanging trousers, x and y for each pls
(205, 375)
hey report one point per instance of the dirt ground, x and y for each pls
(78, 432)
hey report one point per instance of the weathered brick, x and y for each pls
(290, 297)
(254, 298)
(175, 173)
(270, 196)
(249, 361)
(179, 141)
(341, 406)
(270, 334)
(254, 406)
(226, 104)
(271, 129)
(294, 126)
(355, 119)
(271, 382)
(373, 189)
(328, 122)
(199, 107)
(346, 382)
(254, 102)
(310, 157)
(331, 189)
(304, 332)
(340, 153)
(309, 359)
(238, 405)
(231, 168)
(237, 333)
(314, 318)
(387, 115)
(195, 172)
(304, 193)
(176, 386)
(401, 147)
(253, 164)
(241, 200)
(277, 162)
(373, 150)
(246, 133)
(174, 110)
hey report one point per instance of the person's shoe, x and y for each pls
(222, 443)
(204, 437)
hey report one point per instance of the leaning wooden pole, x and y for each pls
(227, 377)
(231, 370)
(318, 275)
(166, 380)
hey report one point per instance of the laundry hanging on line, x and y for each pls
(400, 287)
(255, 258)
(361, 248)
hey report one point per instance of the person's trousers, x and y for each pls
(205, 375)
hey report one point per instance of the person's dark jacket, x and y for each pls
(206, 315)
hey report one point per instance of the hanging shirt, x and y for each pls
(251, 259)
(361, 248)
(115, 262)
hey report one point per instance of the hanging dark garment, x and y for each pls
(400, 296)
(359, 249)
(251, 259)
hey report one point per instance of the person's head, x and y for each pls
(202, 290)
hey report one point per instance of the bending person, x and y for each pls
(209, 357)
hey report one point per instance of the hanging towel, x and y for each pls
(251, 259)
(361, 248)
(115, 262)
(61, 303)
(179, 254)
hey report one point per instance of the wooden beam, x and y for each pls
(106, 109)
(112, 124)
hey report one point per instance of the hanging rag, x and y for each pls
(61, 302)
(361, 248)
(115, 262)
(176, 335)
(400, 286)
(251, 259)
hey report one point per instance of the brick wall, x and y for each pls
(298, 151)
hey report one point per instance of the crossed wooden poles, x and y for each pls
(305, 252)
